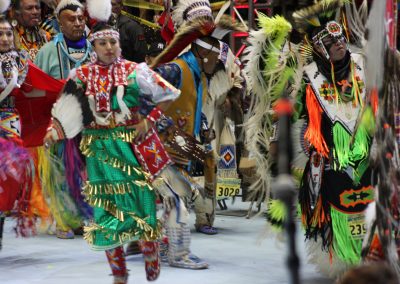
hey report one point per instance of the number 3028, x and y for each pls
(226, 191)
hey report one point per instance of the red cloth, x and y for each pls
(151, 154)
(35, 112)
(9, 190)
(167, 30)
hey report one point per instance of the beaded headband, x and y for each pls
(333, 29)
(103, 34)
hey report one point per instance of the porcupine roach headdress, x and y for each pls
(351, 142)
(194, 19)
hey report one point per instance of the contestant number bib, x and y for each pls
(357, 226)
(227, 187)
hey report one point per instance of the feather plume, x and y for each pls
(226, 25)
(4, 4)
(356, 20)
(269, 67)
(99, 9)
(186, 35)
(305, 17)
(72, 124)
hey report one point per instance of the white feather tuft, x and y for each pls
(331, 267)
(370, 214)
(4, 4)
(72, 124)
(220, 84)
(63, 3)
(99, 9)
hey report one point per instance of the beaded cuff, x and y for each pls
(154, 115)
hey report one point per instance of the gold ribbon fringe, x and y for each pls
(114, 162)
(90, 189)
(149, 234)
(107, 205)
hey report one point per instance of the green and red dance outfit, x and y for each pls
(117, 187)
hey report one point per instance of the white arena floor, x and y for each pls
(235, 255)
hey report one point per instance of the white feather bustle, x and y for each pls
(99, 9)
(258, 123)
(260, 104)
(72, 124)
(64, 3)
(4, 4)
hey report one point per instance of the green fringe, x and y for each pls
(360, 170)
(354, 152)
(341, 151)
(345, 246)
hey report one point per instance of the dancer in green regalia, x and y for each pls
(103, 101)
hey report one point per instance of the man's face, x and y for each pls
(336, 47)
(208, 57)
(72, 24)
(116, 6)
(28, 15)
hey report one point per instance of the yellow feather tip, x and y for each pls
(272, 25)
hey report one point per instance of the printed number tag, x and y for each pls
(227, 187)
(357, 226)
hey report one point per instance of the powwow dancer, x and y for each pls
(15, 161)
(69, 49)
(19, 78)
(192, 73)
(336, 184)
(106, 93)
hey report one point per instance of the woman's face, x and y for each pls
(107, 49)
(6, 37)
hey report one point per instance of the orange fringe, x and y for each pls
(37, 204)
(374, 100)
(313, 133)
(304, 219)
(375, 250)
(319, 215)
